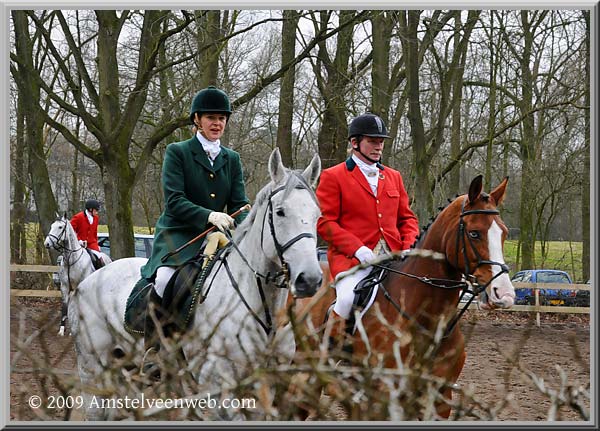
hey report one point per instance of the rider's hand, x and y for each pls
(405, 253)
(83, 243)
(364, 254)
(222, 221)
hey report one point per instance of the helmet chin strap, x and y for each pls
(364, 155)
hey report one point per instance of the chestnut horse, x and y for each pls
(419, 295)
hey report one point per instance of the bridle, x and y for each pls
(280, 279)
(58, 244)
(460, 239)
(470, 281)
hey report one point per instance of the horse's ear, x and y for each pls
(312, 171)
(276, 169)
(57, 215)
(475, 188)
(65, 215)
(499, 192)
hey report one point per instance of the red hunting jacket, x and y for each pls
(352, 216)
(86, 231)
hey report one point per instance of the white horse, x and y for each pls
(232, 327)
(75, 264)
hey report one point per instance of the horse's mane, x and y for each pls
(425, 229)
(292, 179)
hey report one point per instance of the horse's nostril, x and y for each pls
(307, 283)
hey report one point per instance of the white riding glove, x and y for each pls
(83, 243)
(221, 221)
(403, 253)
(364, 254)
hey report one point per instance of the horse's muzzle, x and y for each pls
(306, 285)
(505, 301)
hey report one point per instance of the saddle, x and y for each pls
(364, 293)
(97, 261)
(183, 292)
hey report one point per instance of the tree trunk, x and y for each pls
(29, 92)
(286, 92)
(209, 30)
(528, 145)
(18, 242)
(585, 185)
(410, 48)
(454, 176)
(491, 126)
(333, 135)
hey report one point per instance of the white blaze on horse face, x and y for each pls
(501, 291)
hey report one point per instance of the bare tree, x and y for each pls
(286, 92)
(25, 73)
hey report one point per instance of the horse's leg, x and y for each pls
(64, 293)
(451, 371)
(89, 370)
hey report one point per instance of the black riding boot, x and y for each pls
(151, 335)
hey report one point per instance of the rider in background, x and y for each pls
(85, 224)
(200, 178)
(365, 211)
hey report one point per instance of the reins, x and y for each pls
(474, 288)
(268, 278)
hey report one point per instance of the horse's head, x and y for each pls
(478, 248)
(289, 237)
(58, 234)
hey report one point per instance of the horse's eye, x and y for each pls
(280, 212)
(474, 234)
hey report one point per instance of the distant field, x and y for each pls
(562, 255)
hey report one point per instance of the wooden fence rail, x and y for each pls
(537, 308)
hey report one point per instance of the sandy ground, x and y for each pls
(494, 343)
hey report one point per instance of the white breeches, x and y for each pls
(344, 291)
(163, 275)
(344, 288)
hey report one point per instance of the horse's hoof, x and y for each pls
(61, 331)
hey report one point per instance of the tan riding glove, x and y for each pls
(221, 221)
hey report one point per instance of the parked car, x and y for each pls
(547, 296)
(142, 243)
(582, 299)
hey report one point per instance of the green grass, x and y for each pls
(563, 255)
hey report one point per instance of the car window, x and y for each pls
(104, 244)
(526, 277)
(140, 247)
(552, 277)
(517, 277)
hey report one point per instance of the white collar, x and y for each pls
(211, 148)
(369, 169)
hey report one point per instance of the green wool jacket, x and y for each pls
(192, 190)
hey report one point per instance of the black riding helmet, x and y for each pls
(367, 125)
(92, 204)
(210, 100)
